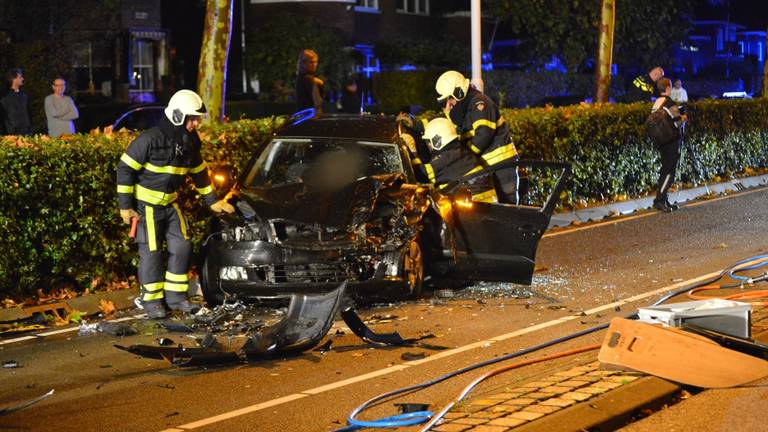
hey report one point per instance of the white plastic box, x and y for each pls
(724, 316)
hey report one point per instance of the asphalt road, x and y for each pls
(101, 388)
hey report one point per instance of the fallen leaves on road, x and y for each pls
(107, 307)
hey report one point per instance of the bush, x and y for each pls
(58, 202)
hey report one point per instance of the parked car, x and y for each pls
(334, 198)
(140, 118)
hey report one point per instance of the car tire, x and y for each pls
(212, 294)
(413, 268)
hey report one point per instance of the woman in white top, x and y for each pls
(679, 95)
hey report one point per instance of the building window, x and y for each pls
(418, 7)
(367, 6)
(142, 68)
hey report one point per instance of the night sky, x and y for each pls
(751, 13)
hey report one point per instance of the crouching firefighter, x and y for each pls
(449, 161)
(149, 176)
(481, 129)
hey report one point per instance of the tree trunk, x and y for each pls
(212, 74)
(605, 51)
(765, 69)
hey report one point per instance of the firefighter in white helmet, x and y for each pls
(149, 176)
(449, 161)
(482, 129)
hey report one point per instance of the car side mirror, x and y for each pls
(224, 177)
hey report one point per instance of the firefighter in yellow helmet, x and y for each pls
(149, 176)
(481, 129)
(449, 160)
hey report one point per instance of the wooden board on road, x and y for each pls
(677, 355)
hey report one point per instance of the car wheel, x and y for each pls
(212, 294)
(413, 267)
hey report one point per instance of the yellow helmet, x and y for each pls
(182, 104)
(439, 132)
(453, 84)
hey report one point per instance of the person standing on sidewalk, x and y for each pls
(149, 175)
(60, 110)
(14, 105)
(309, 88)
(665, 114)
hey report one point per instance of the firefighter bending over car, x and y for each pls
(480, 127)
(149, 176)
(449, 160)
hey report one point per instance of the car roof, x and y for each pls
(364, 127)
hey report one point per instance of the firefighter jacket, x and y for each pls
(449, 164)
(155, 165)
(482, 129)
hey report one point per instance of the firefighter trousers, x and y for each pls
(159, 225)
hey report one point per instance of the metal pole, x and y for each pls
(477, 65)
(242, 45)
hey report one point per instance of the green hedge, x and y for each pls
(58, 209)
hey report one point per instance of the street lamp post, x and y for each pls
(477, 69)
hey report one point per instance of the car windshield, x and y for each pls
(322, 163)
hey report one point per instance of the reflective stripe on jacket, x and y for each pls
(155, 164)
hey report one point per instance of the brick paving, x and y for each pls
(512, 407)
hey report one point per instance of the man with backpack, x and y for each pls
(663, 127)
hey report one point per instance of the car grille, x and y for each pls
(302, 273)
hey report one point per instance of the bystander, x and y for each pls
(14, 105)
(60, 110)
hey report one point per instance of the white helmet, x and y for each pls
(453, 84)
(439, 132)
(184, 103)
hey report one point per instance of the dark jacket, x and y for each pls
(482, 129)
(449, 164)
(309, 94)
(15, 112)
(641, 89)
(155, 164)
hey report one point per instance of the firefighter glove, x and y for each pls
(127, 215)
(222, 206)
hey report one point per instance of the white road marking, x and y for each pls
(441, 355)
(64, 330)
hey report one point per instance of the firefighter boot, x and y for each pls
(155, 309)
(178, 301)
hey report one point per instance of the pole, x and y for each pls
(477, 65)
(605, 51)
(242, 45)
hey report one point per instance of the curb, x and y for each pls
(630, 206)
(89, 304)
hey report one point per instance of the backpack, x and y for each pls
(661, 128)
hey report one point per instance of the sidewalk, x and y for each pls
(630, 206)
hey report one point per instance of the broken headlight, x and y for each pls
(249, 232)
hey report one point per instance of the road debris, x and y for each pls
(5, 411)
(10, 364)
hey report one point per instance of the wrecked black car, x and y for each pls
(334, 198)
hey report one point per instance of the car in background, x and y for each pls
(334, 198)
(140, 118)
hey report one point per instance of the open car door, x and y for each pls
(498, 242)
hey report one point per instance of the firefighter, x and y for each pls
(481, 129)
(449, 160)
(149, 176)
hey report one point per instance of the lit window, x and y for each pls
(368, 4)
(419, 7)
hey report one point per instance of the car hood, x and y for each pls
(351, 205)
